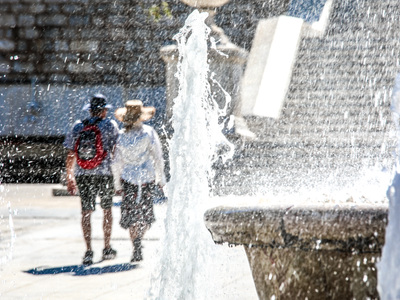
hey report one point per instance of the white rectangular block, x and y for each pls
(269, 67)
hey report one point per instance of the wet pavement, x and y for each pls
(41, 249)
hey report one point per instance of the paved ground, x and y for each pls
(41, 247)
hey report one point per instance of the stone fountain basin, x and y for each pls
(316, 251)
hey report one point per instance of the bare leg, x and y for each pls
(87, 228)
(133, 232)
(107, 226)
(138, 231)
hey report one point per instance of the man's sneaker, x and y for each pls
(109, 253)
(88, 258)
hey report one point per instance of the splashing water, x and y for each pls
(388, 279)
(186, 255)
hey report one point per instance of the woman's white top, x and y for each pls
(138, 157)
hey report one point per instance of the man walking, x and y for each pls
(90, 147)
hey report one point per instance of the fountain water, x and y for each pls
(388, 281)
(183, 272)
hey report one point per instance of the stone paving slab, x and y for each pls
(41, 247)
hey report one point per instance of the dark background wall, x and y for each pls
(105, 42)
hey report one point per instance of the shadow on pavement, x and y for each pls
(81, 270)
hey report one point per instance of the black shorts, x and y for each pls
(92, 185)
(137, 208)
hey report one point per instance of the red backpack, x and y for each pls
(89, 146)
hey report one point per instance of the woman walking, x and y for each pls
(138, 169)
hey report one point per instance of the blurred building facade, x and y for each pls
(55, 53)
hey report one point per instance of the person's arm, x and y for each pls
(115, 136)
(70, 160)
(70, 164)
(158, 160)
(116, 167)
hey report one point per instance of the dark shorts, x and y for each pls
(92, 185)
(137, 206)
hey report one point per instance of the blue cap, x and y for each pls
(98, 102)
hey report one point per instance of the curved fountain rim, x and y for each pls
(311, 207)
(334, 227)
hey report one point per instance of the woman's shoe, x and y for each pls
(137, 252)
(137, 255)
